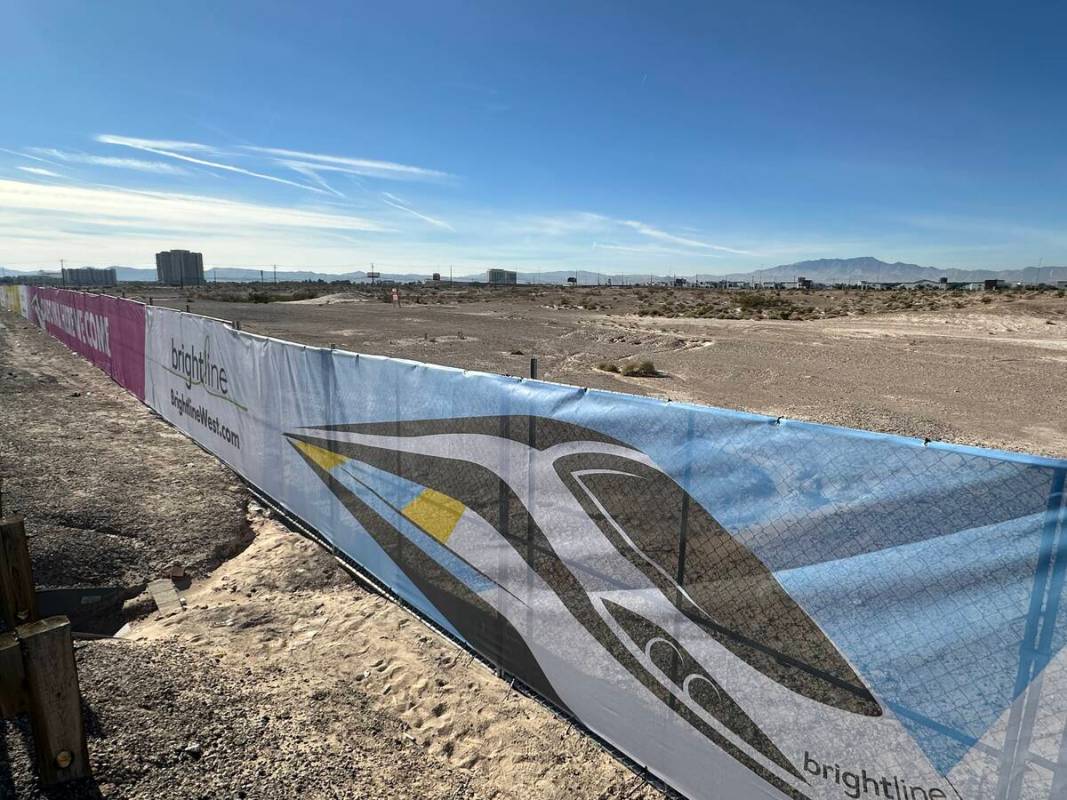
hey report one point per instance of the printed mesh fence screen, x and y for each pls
(744, 606)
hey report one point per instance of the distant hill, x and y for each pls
(854, 270)
(823, 270)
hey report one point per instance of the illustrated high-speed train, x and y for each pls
(565, 555)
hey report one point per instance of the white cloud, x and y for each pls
(40, 171)
(554, 225)
(395, 202)
(653, 250)
(28, 156)
(157, 167)
(656, 233)
(149, 146)
(309, 171)
(355, 166)
(579, 222)
(157, 144)
(116, 208)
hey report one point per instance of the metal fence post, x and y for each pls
(683, 542)
(504, 513)
(1035, 650)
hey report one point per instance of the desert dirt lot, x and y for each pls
(972, 368)
(283, 677)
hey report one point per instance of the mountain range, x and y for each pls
(823, 270)
(854, 270)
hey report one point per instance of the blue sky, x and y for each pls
(622, 137)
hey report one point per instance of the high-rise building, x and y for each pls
(179, 268)
(88, 276)
(502, 277)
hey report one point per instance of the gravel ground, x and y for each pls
(166, 720)
(112, 495)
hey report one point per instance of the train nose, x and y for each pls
(711, 577)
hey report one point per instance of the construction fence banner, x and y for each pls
(746, 607)
(15, 298)
(108, 331)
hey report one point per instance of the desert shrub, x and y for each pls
(607, 366)
(640, 369)
(757, 301)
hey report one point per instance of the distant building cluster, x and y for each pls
(179, 268)
(89, 276)
(502, 277)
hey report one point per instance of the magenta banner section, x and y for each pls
(108, 331)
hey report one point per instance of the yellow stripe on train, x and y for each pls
(435, 513)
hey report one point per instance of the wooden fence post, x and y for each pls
(54, 700)
(12, 687)
(18, 599)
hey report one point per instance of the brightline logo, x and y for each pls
(198, 368)
(857, 784)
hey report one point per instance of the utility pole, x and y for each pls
(275, 274)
